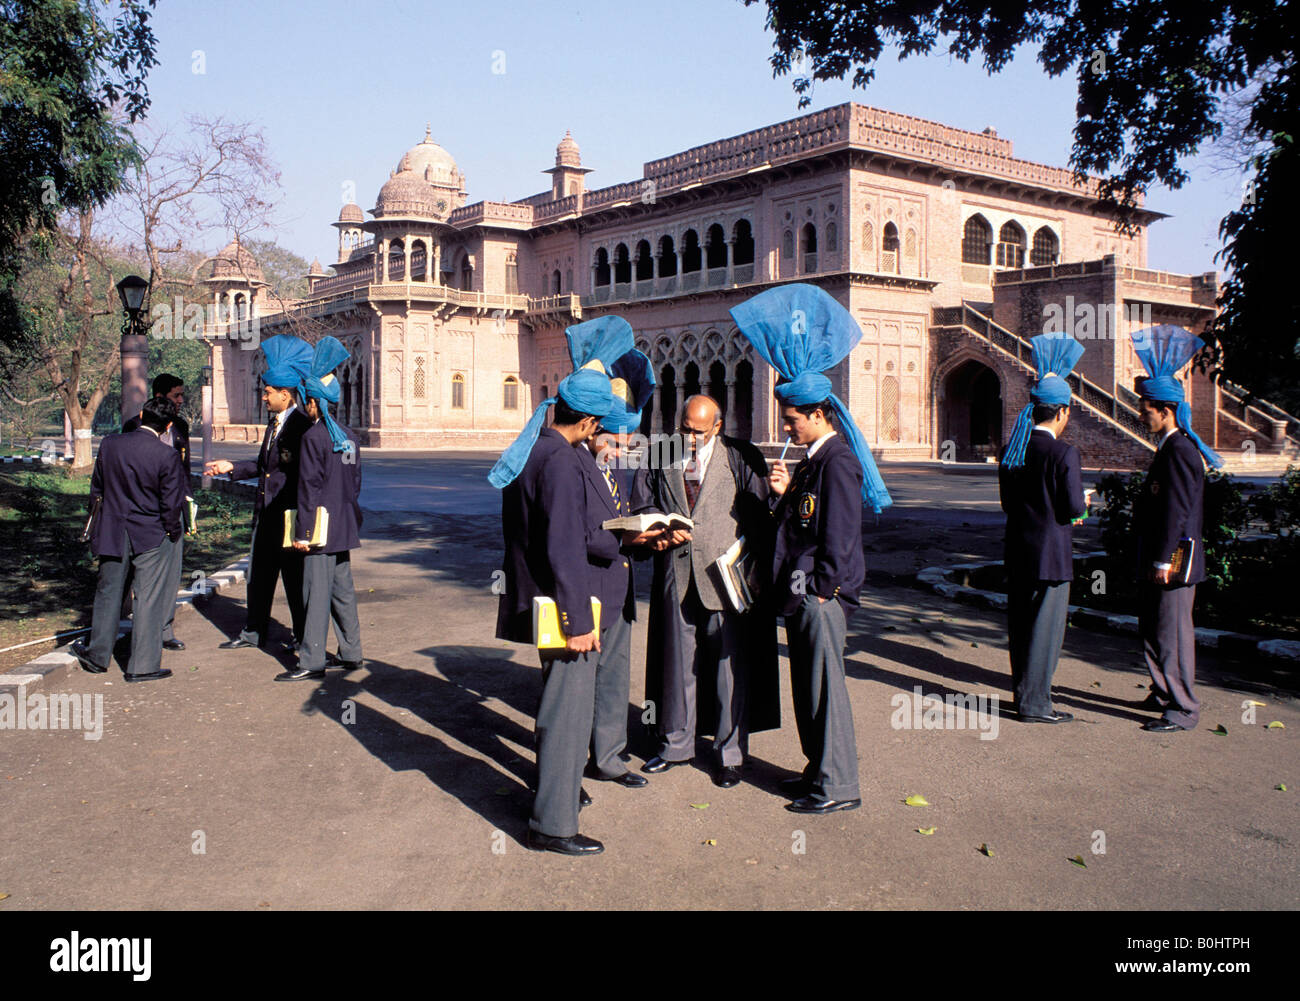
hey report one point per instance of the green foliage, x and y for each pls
(283, 269)
(62, 71)
(1278, 507)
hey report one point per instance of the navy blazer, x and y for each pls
(544, 523)
(1170, 506)
(276, 469)
(819, 530)
(180, 438)
(611, 568)
(1040, 499)
(143, 490)
(331, 480)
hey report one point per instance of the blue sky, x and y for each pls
(340, 90)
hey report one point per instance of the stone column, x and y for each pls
(436, 251)
(731, 259)
(729, 402)
(383, 257)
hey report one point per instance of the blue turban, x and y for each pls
(288, 361)
(801, 331)
(585, 391)
(632, 382)
(1163, 350)
(1055, 356)
(324, 388)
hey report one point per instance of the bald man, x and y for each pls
(708, 667)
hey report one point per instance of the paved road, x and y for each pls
(407, 785)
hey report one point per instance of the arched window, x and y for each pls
(510, 393)
(1011, 246)
(787, 246)
(889, 249)
(419, 387)
(466, 274)
(512, 274)
(241, 306)
(832, 236)
(890, 429)
(1047, 249)
(458, 392)
(622, 265)
(976, 236)
(909, 244)
(716, 250)
(602, 266)
(808, 246)
(743, 252)
(667, 258)
(645, 263)
(555, 282)
(692, 260)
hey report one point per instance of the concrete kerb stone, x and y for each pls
(52, 665)
(939, 580)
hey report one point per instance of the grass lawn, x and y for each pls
(47, 577)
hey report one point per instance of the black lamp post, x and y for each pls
(135, 349)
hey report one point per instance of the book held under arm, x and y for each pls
(1180, 564)
(733, 574)
(320, 531)
(650, 521)
(547, 633)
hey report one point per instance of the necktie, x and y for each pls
(266, 439)
(692, 491)
(613, 490)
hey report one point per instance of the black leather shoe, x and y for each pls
(1054, 718)
(583, 799)
(173, 645)
(629, 779)
(150, 675)
(657, 764)
(810, 805)
(1162, 726)
(1152, 703)
(300, 675)
(576, 845)
(78, 650)
(236, 644)
(727, 777)
(349, 665)
(795, 788)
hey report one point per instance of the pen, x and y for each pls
(784, 450)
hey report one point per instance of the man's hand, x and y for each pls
(584, 644)
(1161, 575)
(302, 547)
(648, 538)
(679, 537)
(218, 467)
(779, 478)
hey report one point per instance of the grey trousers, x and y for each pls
(1169, 643)
(328, 593)
(154, 592)
(709, 641)
(815, 635)
(1036, 616)
(613, 685)
(174, 575)
(562, 736)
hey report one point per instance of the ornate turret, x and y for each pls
(567, 174)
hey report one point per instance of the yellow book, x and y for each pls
(320, 531)
(546, 623)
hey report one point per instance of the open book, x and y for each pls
(320, 532)
(546, 622)
(732, 573)
(649, 520)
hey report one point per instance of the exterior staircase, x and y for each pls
(1115, 417)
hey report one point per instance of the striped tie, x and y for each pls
(613, 490)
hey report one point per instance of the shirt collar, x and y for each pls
(1166, 437)
(1044, 427)
(812, 449)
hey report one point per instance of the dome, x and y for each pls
(237, 263)
(315, 270)
(351, 212)
(408, 194)
(431, 162)
(566, 153)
